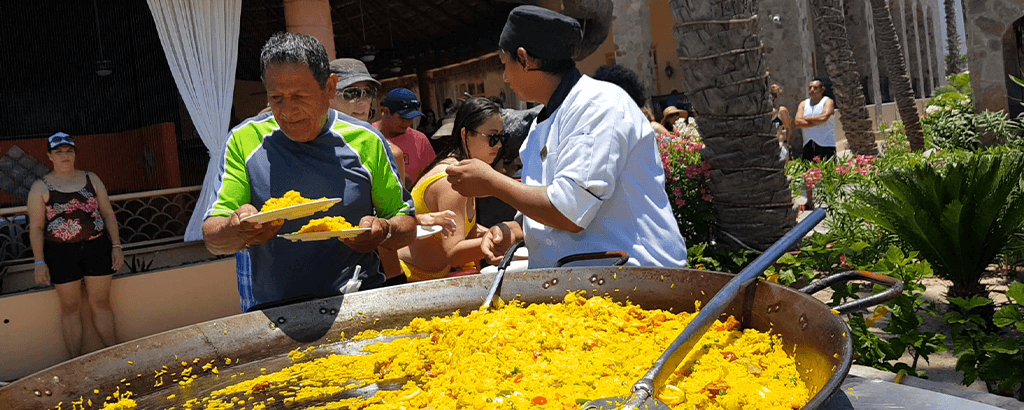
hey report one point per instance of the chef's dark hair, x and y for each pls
(556, 67)
(471, 114)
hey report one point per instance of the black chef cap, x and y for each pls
(545, 34)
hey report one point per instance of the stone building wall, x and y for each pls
(992, 48)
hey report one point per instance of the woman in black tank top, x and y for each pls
(74, 235)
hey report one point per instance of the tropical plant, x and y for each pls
(905, 321)
(959, 217)
(830, 24)
(723, 69)
(994, 356)
(686, 175)
(896, 68)
(957, 89)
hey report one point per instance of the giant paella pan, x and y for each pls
(257, 342)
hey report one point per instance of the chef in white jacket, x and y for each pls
(592, 178)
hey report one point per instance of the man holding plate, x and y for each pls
(305, 146)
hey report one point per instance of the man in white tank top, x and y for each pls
(815, 116)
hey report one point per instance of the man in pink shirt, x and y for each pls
(398, 109)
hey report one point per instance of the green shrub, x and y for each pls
(996, 357)
(959, 217)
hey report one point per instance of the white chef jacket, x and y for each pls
(598, 156)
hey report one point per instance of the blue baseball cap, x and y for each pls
(59, 139)
(404, 102)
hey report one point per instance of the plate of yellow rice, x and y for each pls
(290, 206)
(325, 228)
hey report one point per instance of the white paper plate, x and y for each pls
(425, 231)
(293, 212)
(320, 236)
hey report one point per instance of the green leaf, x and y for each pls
(858, 246)
(973, 302)
(1006, 346)
(1006, 316)
(1016, 292)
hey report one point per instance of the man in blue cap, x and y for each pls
(592, 178)
(398, 109)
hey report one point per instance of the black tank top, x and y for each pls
(73, 216)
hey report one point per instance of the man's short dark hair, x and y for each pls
(625, 79)
(295, 48)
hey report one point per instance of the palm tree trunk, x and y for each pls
(953, 65)
(842, 68)
(896, 69)
(725, 77)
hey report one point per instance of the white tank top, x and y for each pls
(824, 134)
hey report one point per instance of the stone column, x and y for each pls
(311, 17)
(913, 36)
(938, 66)
(988, 23)
(631, 30)
(924, 31)
(789, 48)
(860, 30)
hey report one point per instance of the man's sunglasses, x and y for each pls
(494, 139)
(355, 93)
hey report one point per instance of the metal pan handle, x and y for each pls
(895, 289)
(623, 257)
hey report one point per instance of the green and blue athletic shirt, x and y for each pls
(349, 160)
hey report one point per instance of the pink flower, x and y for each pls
(680, 202)
(706, 198)
(842, 260)
(817, 158)
(842, 170)
(677, 191)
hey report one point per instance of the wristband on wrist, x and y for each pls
(42, 262)
(118, 246)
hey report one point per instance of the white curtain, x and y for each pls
(200, 40)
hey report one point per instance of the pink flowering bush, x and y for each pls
(686, 175)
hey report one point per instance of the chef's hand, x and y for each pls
(367, 241)
(446, 219)
(253, 233)
(42, 274)
(473, 178)
(496, 242)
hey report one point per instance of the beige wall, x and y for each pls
(144, 304)
(663, 43)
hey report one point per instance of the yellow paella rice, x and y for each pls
(290, 198)
(545, 356)
(327, 224)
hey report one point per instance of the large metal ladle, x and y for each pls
(642, 394)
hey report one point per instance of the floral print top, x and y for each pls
(73, 216)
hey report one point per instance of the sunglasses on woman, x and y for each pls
(494, 139)
(352, 94)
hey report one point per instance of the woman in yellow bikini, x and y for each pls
(479, 133)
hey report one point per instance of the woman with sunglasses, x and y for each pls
(478, 133)
(356, 94)
(74, 238)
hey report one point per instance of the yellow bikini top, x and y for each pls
(420, 190)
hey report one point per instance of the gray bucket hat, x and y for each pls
(351, 71)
